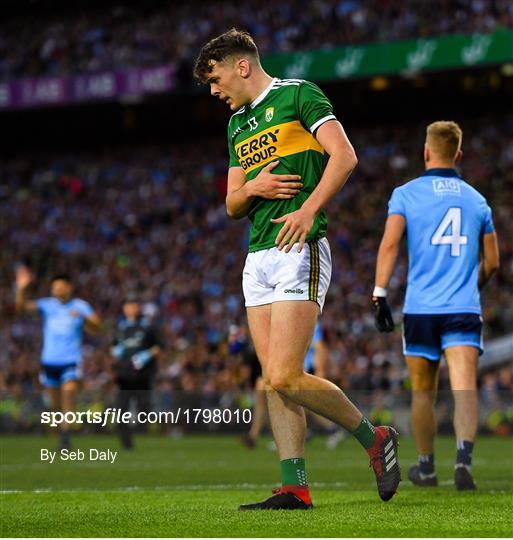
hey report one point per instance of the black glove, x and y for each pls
(382, 315)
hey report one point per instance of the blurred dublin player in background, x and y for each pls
(64, 319)
(317, 363)
(135, 348)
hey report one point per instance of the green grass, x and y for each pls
(193, 486)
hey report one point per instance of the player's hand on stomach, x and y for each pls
(275, 186)
(24, 277)
(296, 226)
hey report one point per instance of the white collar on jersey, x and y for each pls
(263, 94)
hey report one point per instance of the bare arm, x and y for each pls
(23, 280)
(238, 200)
(92, 323)
(267, 185)
(388, 249)
(491, 259)
(341, 163)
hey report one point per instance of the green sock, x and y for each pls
(293, 472)
(365, 433)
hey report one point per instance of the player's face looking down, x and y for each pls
(62, 289)
(227, 81)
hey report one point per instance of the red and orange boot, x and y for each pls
(385, 462)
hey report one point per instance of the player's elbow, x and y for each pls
(353, 160)
(93, 325)
(349, 157)
(345, 156)
(233, 212)
(20, 305)
(493, 266)
(388, 246)
(491, 260)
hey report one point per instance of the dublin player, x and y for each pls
(64, 319)
(277, 139)
(448, 223)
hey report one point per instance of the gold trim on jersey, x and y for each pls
(274, 142)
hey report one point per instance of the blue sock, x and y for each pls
(464, 453)
(427, 463)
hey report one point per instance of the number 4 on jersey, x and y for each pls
(455, 239)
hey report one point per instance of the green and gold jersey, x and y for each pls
(280, 124)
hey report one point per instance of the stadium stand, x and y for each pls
(160, 32)
(153, 218)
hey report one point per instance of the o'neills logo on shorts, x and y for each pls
(294, 291)
(282, 140)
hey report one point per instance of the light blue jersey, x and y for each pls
(62, 330)
(445, 219)
(309, 365)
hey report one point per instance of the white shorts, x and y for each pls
(271, 275)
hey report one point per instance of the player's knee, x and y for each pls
(69, 386)
(283, 381)
(463, 385)
(423, 387)
(262, 383)
(279, 383)
(265, 384)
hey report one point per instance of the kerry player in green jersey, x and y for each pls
(278, 176)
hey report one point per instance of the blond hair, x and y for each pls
(444, 139)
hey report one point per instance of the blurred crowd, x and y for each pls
(153, 219)
(119, 36)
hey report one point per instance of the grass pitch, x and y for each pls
(193, 486)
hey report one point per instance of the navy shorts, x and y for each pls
(56, 376)
(429, 335)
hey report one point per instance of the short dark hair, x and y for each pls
(61, 277)
(132, 297)
(232, 43)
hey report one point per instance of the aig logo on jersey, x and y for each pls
(446, 186)
(269, 113)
